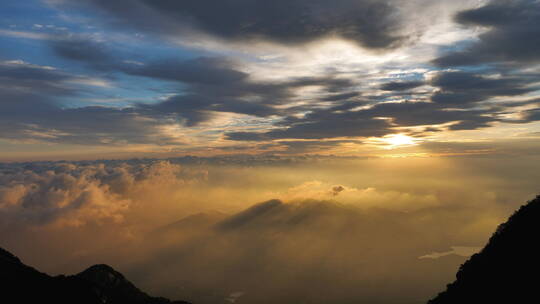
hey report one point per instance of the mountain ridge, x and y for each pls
(504, 270)
(98, 284)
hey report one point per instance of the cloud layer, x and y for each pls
(511, 36)
(75, 195)
(320, 231)
(189, 76)
(373, 24)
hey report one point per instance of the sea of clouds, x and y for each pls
(260, 229)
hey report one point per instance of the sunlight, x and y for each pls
(398, 140)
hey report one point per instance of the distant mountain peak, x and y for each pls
(103, 275)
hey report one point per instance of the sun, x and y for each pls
(398, 140)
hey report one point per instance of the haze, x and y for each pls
(291, 151)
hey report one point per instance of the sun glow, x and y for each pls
(398, 140)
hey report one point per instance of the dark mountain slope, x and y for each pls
(507, 269)
(188, 225)
(98, 284)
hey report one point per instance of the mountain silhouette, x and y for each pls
(99, 284)
(507, 269)
(189, 224)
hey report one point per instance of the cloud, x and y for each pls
(460, 99)
(296, 249)
(92, 125)
(239, 95)
(512, 36)
(32, 109)
(532, 115)
(157, 221)
(19, 77)
(74, 195)
(207, 85)
(326, 102)
(330, 126)
(26, 35)
(372, 24)
(401, 86)
(81, 49)
(202, 70)
(327, 123)
(51, 196)
(360, 198)
(342, 96)
(458, 88)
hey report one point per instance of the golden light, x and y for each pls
(398, 140)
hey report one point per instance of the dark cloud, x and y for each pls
(32, 108)
(338, 125)
(532, 115)
(82, 49)
(510, 42)
(371, 23)
(212, 84)
(342, 96)
(459, 88)
(202, 70)
(331, 126)
(19, 77)
(239, 95)
(454, 101)
(401, 86)
(205, 86)
(423, 113)
(513, 34)
(83, 126)
(472, 124)
(327, 123)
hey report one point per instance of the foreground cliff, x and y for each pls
(507, 269)
(99, 284)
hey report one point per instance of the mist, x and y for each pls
(264, 229)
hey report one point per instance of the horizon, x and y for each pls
(251, 151)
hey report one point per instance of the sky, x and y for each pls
(285, 151)
(90, 79)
